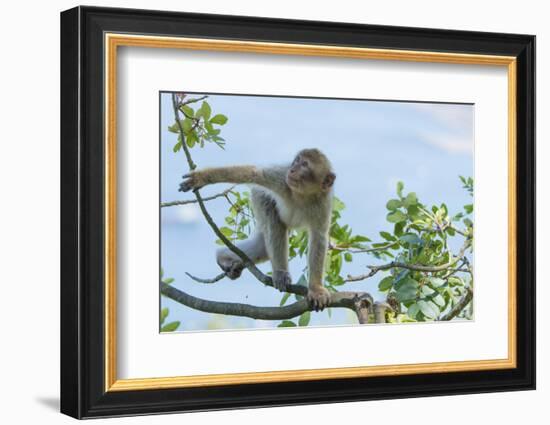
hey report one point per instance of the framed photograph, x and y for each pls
(261, 212)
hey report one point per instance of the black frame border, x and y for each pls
(82, 206)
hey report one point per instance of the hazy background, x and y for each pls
(372, 145)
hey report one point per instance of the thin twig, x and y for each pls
(365, 250)
(415, 267)
(198, 99)
(194, 201)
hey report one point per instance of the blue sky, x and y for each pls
(371, 144)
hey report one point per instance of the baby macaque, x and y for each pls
(297, 195)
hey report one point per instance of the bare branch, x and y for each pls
(198, 99)
(455, 311)
(360, 251)
(194, 201)
(349, 300)
(358, 278)
(415, 267)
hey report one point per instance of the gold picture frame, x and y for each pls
(90, 384)
(114, 41)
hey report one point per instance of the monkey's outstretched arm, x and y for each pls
(271, 178)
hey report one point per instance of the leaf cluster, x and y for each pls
(198, 124)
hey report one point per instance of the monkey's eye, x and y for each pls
(305, 164)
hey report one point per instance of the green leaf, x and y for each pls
(170, 327)
(385, 284)
(413, 310)
(388, 236)
(187, 110)
(209, 128)
(393, 204)
(337, 204)
(458, 216)
(204, 111)
(400, 187)
(428, 309)
(439, 300)
(411, 239)
(398, 228)
(407, 291)
(469, 208)
(348, 257)
(219, 119)
(187, 125)
(286, 324)
(163, 314)
(284, 299)
(360, 238)
(192, 139)
(436, 281)
(455, 281)
(168, 280)
(413, 210)
(426, 290)
(396, 217)
(304, 318)
(227, 232)
(399, 277)
(174, 128)
(177, 147)
(411, 199)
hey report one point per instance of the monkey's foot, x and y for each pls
(281, 280)
(318, 297)
(232, 268)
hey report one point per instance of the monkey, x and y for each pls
(284, 197)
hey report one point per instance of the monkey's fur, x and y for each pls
(297, 195)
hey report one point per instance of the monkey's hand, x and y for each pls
(281, 280)
(193, 180)
(318, 297)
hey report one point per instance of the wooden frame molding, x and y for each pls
(114, 40)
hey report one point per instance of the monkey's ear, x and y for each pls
(328, 181)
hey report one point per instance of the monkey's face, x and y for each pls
(308, 175)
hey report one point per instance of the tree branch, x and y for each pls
(365, 250)
(194, 201)
(415, 267)
(455, 311)
(350, 300)
(198, 99)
